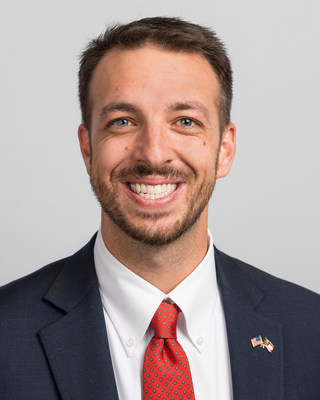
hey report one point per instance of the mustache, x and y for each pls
(141, 171)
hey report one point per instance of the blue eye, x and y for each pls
(186, 122)
(121, 122)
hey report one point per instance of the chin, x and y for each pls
(160, 234)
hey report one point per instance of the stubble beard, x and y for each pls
(108, 194)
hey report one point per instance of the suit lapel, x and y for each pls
(256, 373)
(76, 345)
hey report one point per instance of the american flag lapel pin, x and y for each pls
(257, 341)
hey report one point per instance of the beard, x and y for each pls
(108, 194)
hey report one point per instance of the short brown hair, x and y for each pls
(171, 34)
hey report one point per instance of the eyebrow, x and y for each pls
(190, 105)
(111, 107)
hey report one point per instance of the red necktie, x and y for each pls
(166, 370)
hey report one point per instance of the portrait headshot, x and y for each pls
(160, 201)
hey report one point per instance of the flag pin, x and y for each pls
(257, 341)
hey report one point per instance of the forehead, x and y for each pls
(153, 70)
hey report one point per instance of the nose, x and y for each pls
(153, 146)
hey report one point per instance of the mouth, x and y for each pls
(153, 191)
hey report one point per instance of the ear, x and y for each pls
(84, 140)
(227, 150)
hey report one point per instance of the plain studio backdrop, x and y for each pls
(266, 212)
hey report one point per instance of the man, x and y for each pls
(149, 308)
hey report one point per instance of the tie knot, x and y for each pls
(164, 321)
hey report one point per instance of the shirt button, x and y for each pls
(130, 342)
(200, 340)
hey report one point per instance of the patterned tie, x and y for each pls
(166, 370)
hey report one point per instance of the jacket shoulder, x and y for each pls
(279, 294)
(22, 301)
(37, 283)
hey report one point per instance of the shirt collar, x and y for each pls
(131, 302)
(196, 296)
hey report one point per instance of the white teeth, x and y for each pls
(150, 189)
(153, 191)
(157, 189)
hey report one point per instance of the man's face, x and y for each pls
(154, 153)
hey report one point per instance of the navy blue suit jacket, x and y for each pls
(53, 341)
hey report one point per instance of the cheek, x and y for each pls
(200, 155)
(110, 155)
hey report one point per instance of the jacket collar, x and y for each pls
(75, 280)
(76, 345)
(256, 373)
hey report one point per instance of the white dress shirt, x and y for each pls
(129, 304)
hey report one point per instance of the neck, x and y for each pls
(162, 266)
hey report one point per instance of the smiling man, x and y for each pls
(149, 309)
(153, 150)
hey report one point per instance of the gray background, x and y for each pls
(266, 212)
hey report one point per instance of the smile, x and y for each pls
(153, 191)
